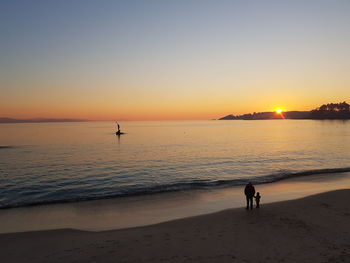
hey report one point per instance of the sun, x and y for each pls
(278, 111)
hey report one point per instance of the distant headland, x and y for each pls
(330, 111)
(37, 120)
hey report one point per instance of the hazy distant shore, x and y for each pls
(311, 229)
(38, 120)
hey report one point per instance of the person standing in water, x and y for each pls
(118, 127)
(249, 192)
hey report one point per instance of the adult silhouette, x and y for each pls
(249, 192)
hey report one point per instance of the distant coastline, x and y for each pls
(38, 120)
(330, 111)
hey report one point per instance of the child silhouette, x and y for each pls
(257, 199)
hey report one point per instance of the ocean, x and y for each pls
(43, 163)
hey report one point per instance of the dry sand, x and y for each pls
(311, 229)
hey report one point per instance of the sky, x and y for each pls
(171, 60)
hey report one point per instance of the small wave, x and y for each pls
(286, 175)
(182, 186)
(6, 147)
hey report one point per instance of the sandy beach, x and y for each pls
(311, 229)
(150, 131)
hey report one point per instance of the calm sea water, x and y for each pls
(59, 162)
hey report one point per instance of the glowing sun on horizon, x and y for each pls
(278, 111)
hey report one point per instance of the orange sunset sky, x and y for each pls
(162, 60)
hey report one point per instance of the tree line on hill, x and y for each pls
(330, 111)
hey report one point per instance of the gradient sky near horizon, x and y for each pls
(183, 59)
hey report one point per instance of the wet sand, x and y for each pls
(311, 229)
(118, 213)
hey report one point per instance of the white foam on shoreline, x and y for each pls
(144, 210)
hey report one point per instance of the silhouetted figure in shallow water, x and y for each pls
(249, 192)
(257, 199)
(118, 132)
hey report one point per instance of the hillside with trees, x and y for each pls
(330, 111)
